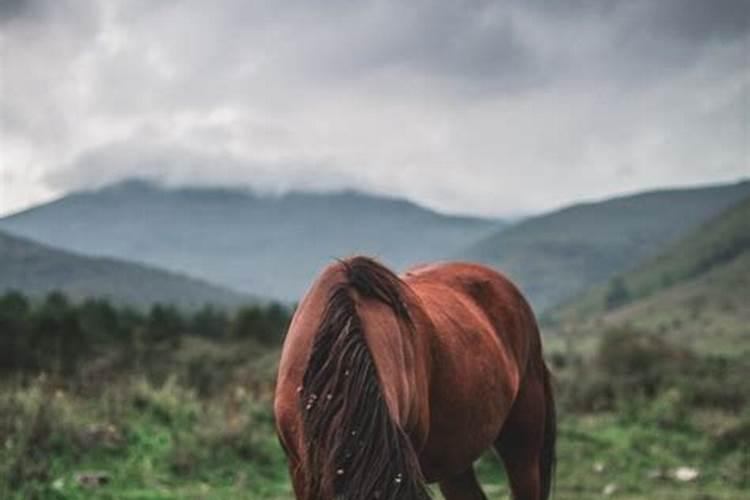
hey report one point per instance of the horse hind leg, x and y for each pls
(523, 439)
(462, 487)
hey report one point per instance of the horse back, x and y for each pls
(484, 299)
(483, 334)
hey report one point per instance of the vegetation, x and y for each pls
(695, 293)
(617, 294)
(556, 256)
(639, 408)
(715, 244)
(61, 338)
(137, 439)
(165, 404)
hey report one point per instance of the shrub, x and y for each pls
(169, 404)
(617, 294)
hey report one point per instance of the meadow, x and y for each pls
(177, 405)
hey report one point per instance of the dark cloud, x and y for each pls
(46, 13)
(11, 9)
(443, 102)
(698, 20)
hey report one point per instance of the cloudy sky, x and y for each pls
(463, 105)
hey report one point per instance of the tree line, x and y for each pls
(56, 334)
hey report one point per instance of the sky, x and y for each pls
(466, 106)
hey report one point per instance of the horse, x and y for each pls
(386, 384)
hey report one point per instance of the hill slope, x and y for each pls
(558, 255)
(697, 289)
(37, 269)
(270, 246)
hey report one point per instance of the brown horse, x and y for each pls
(387, 384)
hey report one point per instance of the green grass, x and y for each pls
(160, 443)
(709, 314)
(637, 458)
(166, 443)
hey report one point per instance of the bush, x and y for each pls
(170, 403)
(617, 294)
(633, 368)
(35, 427)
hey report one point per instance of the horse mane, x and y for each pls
(353, 448)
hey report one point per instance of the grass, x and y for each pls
(709, 314)
(167, 443)
(636, 460)
(151, 442)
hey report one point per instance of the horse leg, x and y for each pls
(462, 487)
(521, 440)
(298, 479)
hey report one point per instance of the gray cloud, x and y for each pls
(468, 106)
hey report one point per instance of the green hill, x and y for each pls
(556, 256)
(697, 289)
(37, 269)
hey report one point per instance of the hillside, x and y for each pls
(272, 246)
(558, 255)
(37, 269)
(697, 289)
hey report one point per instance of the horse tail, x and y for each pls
(353, 447)
(548, 456)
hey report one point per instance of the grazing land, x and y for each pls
(104, 400)
(168, 404)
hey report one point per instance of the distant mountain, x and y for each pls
(555, 256)
(697, 289)
(272, 246)
(37, 269)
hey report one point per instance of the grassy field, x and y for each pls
(186, 416)
(150, 441)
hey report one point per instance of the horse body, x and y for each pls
(456, 357)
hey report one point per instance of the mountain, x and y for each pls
(697, 289)
(37, 269)
(555, 256)
(272, 246)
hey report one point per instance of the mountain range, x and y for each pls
(36, 269)
(558, 255)
(270, 246)
(696, 288)
(273, 246)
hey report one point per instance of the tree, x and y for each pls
(164, 324)
(210, 322)
(57, 339)
(99, 320)
(617, 294)
(14, 312)
(266, 324)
